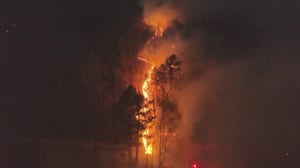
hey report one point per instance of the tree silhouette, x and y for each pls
(164, 77)
(126, 126)
(124, 118)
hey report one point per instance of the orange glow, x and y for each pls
(145, 89)
(159, 18)
(146, 142)
(158, 22)
(147, 83)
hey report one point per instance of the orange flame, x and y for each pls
(147, 83)
(159, 18)
(145, 89)
(146, 142)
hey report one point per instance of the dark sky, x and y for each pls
(44, 46)
(44, 43)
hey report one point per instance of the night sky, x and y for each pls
(254, 47)
(44, 52)
(44, 46)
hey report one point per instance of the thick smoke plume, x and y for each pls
(240, 87)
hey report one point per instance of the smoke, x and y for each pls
(161, 48)
(160, 15)
(240, 87)
(242, 106)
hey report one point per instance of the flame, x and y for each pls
(145, 89)
(146, 84)
(146, 142)
(159, 18)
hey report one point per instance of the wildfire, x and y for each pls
(159, 24)
(159, 17)
(147, 83)
(146, 142)
(145, 89)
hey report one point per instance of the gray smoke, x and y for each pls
(241, 82)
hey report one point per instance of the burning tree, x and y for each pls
(130, 119)
(163, 79)
(159, 103)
